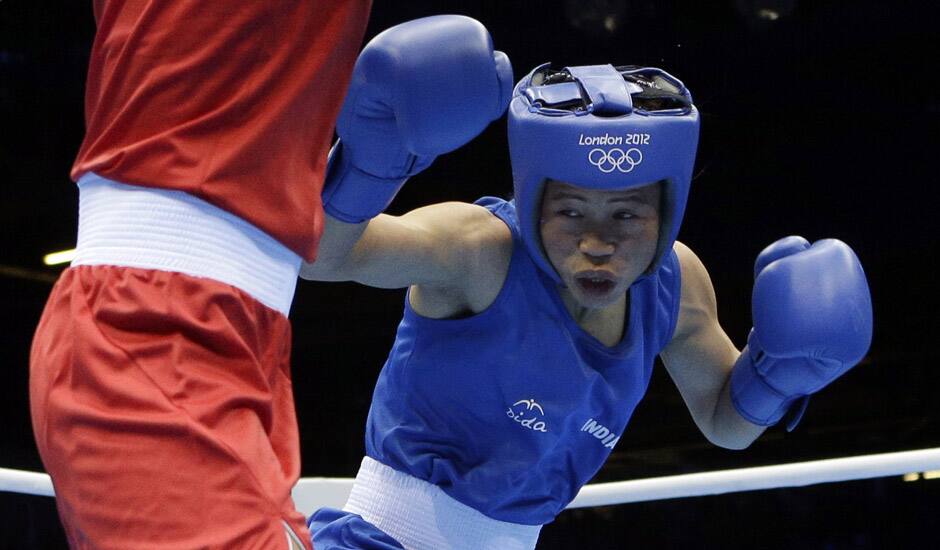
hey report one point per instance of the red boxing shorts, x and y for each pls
(162, 402)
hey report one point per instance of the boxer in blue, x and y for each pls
(531, 326)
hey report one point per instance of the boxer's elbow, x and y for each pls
(729, 430)
(731, 443)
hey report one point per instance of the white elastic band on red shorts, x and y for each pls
(421, 516)
(166, 230)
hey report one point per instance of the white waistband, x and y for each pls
(421, 516)
(150, 228)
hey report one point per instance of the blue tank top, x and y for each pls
(512, 410)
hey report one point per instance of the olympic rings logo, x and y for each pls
(615, 159)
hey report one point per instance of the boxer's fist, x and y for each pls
(812, 322)
(418, 90)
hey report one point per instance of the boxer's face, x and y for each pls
(599, 241)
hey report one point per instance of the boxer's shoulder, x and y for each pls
(481, 245)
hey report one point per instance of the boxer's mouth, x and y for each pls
(596, 283)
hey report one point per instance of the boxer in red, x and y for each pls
(160, 388)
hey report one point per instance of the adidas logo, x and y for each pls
(529, 414)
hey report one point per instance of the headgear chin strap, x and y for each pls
(601, 127)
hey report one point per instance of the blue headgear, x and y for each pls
(601, 127)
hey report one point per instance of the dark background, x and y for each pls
(823, 122)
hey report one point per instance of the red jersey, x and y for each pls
(233, 102)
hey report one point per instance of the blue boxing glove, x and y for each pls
(812, 322)
(418, 90)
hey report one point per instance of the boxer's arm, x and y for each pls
(700, 356)
(443, 246)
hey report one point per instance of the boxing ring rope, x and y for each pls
(29, 483)
(314, 492)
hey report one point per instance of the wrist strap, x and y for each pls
(756, 400)
(354, 196)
